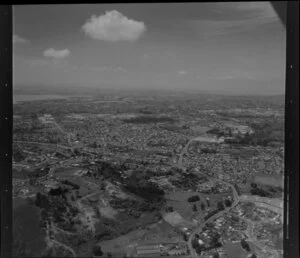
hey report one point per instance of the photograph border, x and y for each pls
(6, 129)
(291, 160)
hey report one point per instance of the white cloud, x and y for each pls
(262, 9)
(18, 39)
(182, 72)
(113, 26)
(249, 10)
(146, 56)
(56, 53)
(252, 15)
(95, 68)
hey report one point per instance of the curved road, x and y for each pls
(215, 216)
(89, 218)
(253, 239)
(52, 242)
(179, 165)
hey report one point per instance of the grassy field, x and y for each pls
(124, 244)
(28, 236)
(178, 200)
(161, 232)
(234, 250)
(276, 181)
(156, 233)
(200, 129)
(176, 220)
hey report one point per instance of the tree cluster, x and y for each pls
(194, 198)
(245, 245)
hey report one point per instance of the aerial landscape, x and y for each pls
(141, 171)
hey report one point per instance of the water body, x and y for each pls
(17, 98)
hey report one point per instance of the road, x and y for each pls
(88, 215)
(179, 165)
(236, 201)
(51, 242)
(199, 228)
(211, 219)
(63, 131)
(215, 216)
(183, 151)
(253, 239)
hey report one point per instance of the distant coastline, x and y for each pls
(17, 98)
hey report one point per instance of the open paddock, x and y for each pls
(234, 250)
(275, 181)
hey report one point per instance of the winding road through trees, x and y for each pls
(220, 213)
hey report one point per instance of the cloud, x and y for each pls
(95, 68)
(248, 10)
(258, 9)
(56, 53)
(113, 26)
(227, 77)
(181, 72)
(146, 56)
(18, 39)
(236, 17)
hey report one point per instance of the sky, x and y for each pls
(225, 47)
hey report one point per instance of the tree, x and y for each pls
(195, 243)
(227, 202)
(169, 209)
(76, 151)
(94, 145)
(220, 205)
(215, 240)
(235, 218)
(202, 205)
(97, 250)
(216, 255)
(209, 225)
(194, 198)
(207, 202)
(245, 245)
(185, 237)
(198, 249)
(18, 154)
(195, 208)
(41, 200)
